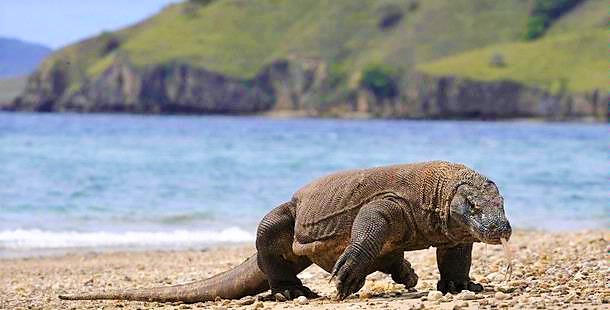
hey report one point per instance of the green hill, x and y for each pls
(574, 62)
(239, 37)
(329, 57)
(572, 56)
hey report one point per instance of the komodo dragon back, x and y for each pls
(326, 207)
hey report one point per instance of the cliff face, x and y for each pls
(175, 88)
(455, 97)
(300, 86)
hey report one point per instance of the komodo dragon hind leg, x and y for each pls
(275, 257)
(399, 268)
(454, 266)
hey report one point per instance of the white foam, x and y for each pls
(40, 239)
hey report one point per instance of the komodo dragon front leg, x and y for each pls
(275, 257)
(373, 227)
(454, 266)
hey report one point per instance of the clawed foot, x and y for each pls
(349, 274)
(289, 293)
(449, 286)
(406, 276)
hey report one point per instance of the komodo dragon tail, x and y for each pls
(245, 279)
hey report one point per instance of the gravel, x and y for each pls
(567, 270)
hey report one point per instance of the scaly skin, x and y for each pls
(353, 223)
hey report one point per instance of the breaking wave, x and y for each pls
(21, 239)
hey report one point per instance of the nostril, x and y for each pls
(506, 229)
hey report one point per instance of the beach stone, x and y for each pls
(495, 277)
(517, 283)
(248, 300)
(434, 295)
(465, 295)
(302, 300)
(501, 296)
(506, 289)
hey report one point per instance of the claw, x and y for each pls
(279, 297)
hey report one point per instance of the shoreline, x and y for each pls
(550, 269)
(39, 253)
(300, 115)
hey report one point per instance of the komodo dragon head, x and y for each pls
(478, 207)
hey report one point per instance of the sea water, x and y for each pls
(129, 181)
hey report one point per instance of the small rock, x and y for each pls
(517, 283)
(495, 277)
(483, 302)
(456, 307)
(302, 300)
(463, 304)
(501, 296)
(434, 295)
(258, 305)
(465, 295)
(248, 300)
(506, 289)
(596, 302)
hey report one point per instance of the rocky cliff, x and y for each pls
(449, 97)
(175, 88)
(300, 87)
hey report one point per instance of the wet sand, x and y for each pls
(550, 270)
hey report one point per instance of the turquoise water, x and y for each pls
(105, 180)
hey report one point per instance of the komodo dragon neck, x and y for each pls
(429, 214)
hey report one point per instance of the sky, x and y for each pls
(56, 23)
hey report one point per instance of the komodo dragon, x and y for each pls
(353, 223)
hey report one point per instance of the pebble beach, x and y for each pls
(559, 270)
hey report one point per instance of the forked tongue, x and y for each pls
(508, 256)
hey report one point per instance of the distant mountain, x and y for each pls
(478, 59)
(19, 58)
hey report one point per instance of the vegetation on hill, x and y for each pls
(573, 62)
(544, 13)
(238, 37)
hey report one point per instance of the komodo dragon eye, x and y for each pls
(471, 203)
